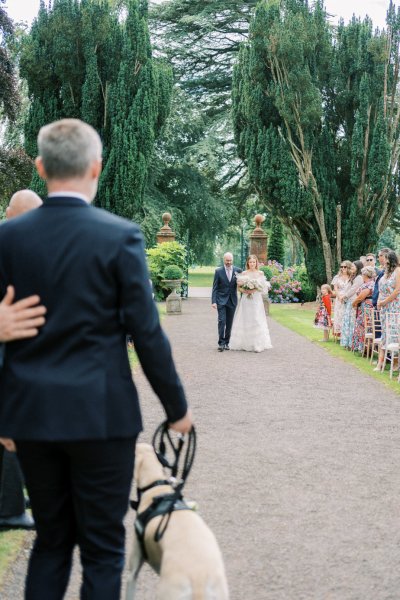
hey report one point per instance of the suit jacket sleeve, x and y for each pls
(214, 288)
(140, 319)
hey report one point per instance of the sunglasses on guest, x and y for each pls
(343, 266)
(370, 259)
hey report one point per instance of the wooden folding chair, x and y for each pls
(368, 331)
(377, 332)
(392, 345)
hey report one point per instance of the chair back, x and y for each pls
(376, 324)
(369, 321)
(392, 328)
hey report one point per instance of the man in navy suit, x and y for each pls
(224, 299)
(67, 396)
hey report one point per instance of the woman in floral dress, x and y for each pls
(388, 300)
(340, 283)
(349, 312)
(363, 301)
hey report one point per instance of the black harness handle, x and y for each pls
(162, 440)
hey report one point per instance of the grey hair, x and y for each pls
(368, 272)
(68, 148)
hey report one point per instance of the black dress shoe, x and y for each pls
(226, 347)
(23, 521)
(220, 348)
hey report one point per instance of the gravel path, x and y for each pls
(297, 470)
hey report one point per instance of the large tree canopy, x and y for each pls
(202, 40)
(316, 116)
(9, 99)
(84, 59)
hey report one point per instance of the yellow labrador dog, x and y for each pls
(187, 556)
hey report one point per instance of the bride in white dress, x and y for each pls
(250, 328)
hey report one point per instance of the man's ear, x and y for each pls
(96, 169)
(40, 168)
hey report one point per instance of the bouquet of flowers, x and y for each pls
(255, 284)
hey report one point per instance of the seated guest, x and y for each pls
(349, 313)
(362, 301)
(388, 301)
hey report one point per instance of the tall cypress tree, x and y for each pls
(317, 121)
(276, 244)
(83, 60)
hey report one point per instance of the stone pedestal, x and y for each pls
(258, 240)
(165, 234)
(173, 301)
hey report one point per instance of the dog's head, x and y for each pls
(147, 466)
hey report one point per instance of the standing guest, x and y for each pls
(68, 401)
(382, 254)
(388, 301)
(361, 302)
(371, 262)
(21, 202)
(349, 313)
(224, 299)
(323, 317)
(341, 282)
(380, 272)
(13, 514)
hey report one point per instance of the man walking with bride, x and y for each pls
(247, 328)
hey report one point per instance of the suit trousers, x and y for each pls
(79, 494)
(226, 312)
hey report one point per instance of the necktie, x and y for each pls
(229, 274)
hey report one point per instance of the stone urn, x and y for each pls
(173, 301)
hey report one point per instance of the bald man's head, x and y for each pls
(21, 202)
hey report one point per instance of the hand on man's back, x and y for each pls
(21, 319)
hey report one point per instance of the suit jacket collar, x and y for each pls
(55, 201)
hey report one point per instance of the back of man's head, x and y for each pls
(68, 148)
(21, 202)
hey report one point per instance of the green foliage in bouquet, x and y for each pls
(173, 272)
(160, 257)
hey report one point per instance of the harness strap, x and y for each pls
(163, 505)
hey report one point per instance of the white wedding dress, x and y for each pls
(250, 328)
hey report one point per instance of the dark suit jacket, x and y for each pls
(73, 381)
(223, 290)
(375, 293)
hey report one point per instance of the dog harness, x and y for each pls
(163, 505)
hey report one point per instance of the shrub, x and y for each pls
(173, 272)
(169, 253)
(308, 289)
(285, 287)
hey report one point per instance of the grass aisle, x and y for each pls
(300, 320)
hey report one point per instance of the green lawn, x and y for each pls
(201, 276)
(10, 544)
(301, 321)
